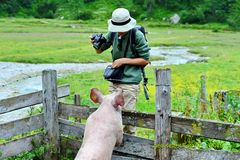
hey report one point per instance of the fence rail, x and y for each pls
(56, 114)
(198, 127)
(14, 103)
(17, 146)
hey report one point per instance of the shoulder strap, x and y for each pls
(133, 36)
(112, 34)
(133, 42)
(133, 45)
(125, 52)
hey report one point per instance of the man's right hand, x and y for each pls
(98, 51)
(91, 39)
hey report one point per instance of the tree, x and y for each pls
(234, 16)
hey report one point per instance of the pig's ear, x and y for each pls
(118, 101)
(96, 96)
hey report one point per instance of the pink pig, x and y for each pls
(103, 128)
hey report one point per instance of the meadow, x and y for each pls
(58, 41)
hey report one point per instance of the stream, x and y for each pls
(21, 78)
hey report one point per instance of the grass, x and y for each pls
(55, 41)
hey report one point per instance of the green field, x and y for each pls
(57, 41)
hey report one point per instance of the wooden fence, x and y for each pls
(59, 131)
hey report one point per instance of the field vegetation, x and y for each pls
(190, 11)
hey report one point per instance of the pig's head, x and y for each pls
(115, 99)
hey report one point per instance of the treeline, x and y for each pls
(28, 8)
(190, 11)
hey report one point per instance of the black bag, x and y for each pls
(113, 74)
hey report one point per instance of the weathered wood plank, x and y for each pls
(139, 119)
(50, 112)
(116, 157)
(70, 128)
(15, 147)
(188, 154)
(163, 114)
(66, 110)
(145, 120)
(206, 128)
(132, 145)
(136, 146)
(10, 129)
(14, 103)
(19, 114)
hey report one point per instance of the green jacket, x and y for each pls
(132, 73)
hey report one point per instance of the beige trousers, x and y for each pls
(130, 94)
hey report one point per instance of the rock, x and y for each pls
(175, 19)
(101, 61)
(74, 26)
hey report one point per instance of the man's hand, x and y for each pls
(91, 39)
(119, 62)
(98, 51)
(131, 61)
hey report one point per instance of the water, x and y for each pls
(174, 55)
(20, 78)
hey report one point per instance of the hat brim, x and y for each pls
(122, 28)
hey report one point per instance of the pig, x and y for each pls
(103, 130)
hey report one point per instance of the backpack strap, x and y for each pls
(133, 42)
(133, 48)
(112, 34)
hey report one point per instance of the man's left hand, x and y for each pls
(119, 62)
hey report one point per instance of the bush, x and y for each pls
(135, 13)
(10, 7)
(234, 17)
(46, 10)
(84, 15)
(193, 16)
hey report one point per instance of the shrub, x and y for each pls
(234, 17)
(46, 10)
(193, 16)
(84, 15)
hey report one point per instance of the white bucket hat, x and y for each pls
(121, 21)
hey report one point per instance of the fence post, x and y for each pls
(50, 109)
(203, 99)
(220, 98)
(163, 114)
(77, 100)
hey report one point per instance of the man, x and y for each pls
(119, 37)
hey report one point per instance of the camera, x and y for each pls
(98, 40)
